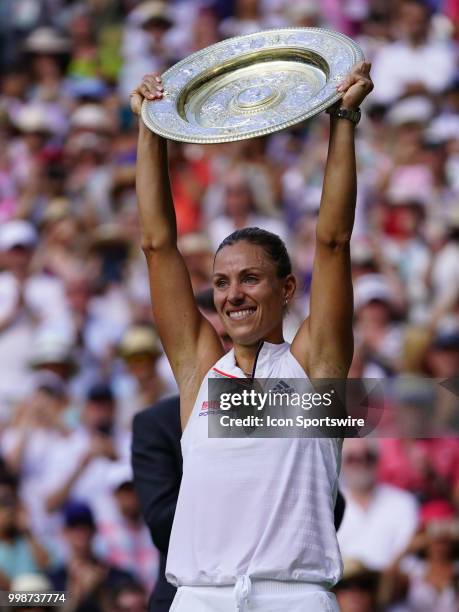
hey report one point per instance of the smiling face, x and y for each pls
(248, 294)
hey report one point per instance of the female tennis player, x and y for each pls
(253, 529)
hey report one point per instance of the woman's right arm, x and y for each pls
(190, 342)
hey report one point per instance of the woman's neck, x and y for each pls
(245, 355)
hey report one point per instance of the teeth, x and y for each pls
(241, 314)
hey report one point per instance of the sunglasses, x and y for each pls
(440, 528)
(359, 459)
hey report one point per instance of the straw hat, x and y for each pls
(140, 340)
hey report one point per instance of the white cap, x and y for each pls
(118, 475)
(17, 233)
(149, 11)
(371, 287)
(361, 251)
(443, 128)
(30, 582)
(415, 109)
(91, 117)
(32, 118)
(51, 347)
(46, 40)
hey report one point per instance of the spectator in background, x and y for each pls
(378, 336)
(58, 253)
(189, 179)
(442, 359)
(427, 467)
(85, 576)
(42, 294)
(142, 385)
(53, 352)
(425, 576)
(303, 13)
(47, 54)
(357, 589)
(407, 251)
(380, 519)
(240, 211)
(414, 63)
(205, 29)
(124, 538)
(128, 597)
(20, 551)
(85, 58)
(27, 301)
(144, 46)
(444, 276)
(91, 452)
(247, 19)
(37, 426)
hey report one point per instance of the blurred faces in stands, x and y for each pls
(356, 591)
(413, 21)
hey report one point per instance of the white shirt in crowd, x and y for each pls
(45, 308)
(400, 64)
(33, 469)
(94, 480)
(445, 273)
(422, 596)
(377, 534)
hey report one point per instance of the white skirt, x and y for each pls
(259, 596)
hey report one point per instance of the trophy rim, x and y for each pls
(178, 135)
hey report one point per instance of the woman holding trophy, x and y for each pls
(254, 525)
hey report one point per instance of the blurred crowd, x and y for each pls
(79, 355)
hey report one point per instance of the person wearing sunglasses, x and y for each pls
(380, 519)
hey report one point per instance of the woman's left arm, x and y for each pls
(324, 342)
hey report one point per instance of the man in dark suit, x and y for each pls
(157, 465)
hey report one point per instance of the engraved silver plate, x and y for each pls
(251, 85)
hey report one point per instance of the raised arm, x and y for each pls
(191, 344)
(324, 342)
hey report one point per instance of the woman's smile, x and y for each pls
(241, 314)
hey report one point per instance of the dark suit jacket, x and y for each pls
(157, 464)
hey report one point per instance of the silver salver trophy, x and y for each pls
(251, 85)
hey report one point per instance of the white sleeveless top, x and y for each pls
(262, 508)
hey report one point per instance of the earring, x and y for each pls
(285, 301)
